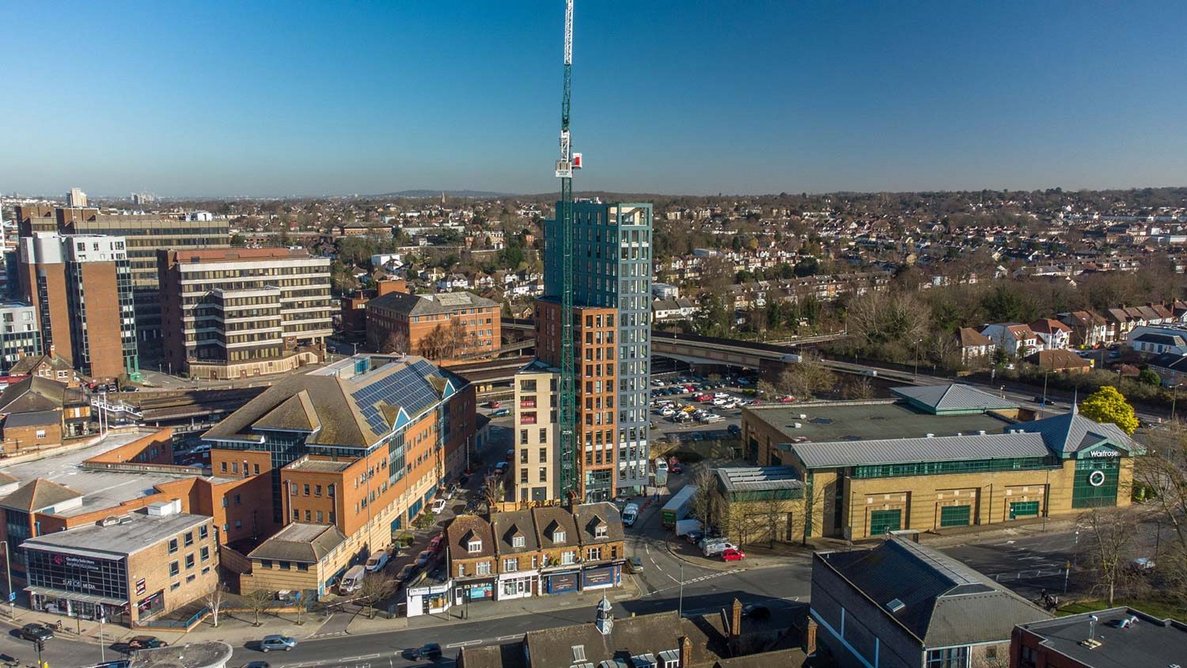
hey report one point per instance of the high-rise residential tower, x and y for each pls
(612, 326)
(81, 288)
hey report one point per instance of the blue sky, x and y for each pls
(692, 96)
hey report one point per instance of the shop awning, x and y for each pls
(74, 596)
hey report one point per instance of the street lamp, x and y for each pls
(680, 610)
(8, 576)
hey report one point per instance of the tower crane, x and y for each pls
(568, 487)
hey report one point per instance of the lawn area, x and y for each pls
(1155, 608)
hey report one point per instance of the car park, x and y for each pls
(277, 643)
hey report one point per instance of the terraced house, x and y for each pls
(362, 444)
(542, 551)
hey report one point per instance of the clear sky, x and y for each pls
(247, 97)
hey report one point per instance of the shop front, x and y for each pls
(601, 577)
(77, 585)
(517, 585)
(564, 582)
(429, 599)
(473, 591)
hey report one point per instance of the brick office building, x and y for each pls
(81, 289)
(363, 444)
(242, 312)
(440, 327)
(144, 235)
(137, 566)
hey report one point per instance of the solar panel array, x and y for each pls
(406, 388)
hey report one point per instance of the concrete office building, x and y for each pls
(81, 288)
(362, 444)
(138, 565)
(19, 334)
(535, 467)
(76, 198)
(238, 312)
(611, 286)
(144, 235)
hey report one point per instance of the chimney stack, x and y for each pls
(736, 620)
(685, 652)
(810, 637)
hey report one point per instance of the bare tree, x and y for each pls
(374, 589)
(1109, 535)
(806, 378)
(259, 600)
(1160, 480)
(493, 491)
(703, 501)
(396, 342)
(859, 389)
(214, 600)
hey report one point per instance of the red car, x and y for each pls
(437, 543)
(786, 400)
(732, 555)
(493, 404)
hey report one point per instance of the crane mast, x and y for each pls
(569, 486)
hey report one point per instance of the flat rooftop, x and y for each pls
(868, 421)
(1147, 642)
(320, 465)
(99, 489)
(139, 531)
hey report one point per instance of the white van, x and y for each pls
(629, 514)
(352, 580)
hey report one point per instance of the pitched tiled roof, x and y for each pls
(508, 525)
(1049, 326)
(589, 515)
(459, 532)
(969, 337)
(27, 365)
(37, 494)
(32, 394)
(550, 519)
(344, 408)
(304, 543)
(1058, 359)
(943, 602)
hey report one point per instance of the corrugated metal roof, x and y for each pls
(1071, 432)
(757, 478)
(953, 397)
(839, 454)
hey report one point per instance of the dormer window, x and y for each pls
(600, 531)
(474, 546)
(517, 541)
(558, 536)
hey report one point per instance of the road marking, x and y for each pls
(464, 643)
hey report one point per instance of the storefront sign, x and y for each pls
(598, 577)
(1104, 453)
(561, 583)
(71, 561)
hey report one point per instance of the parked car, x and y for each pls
(634, 565)
(694, 536)
(35, 632)
(493, 404)
(502, 467)
(124, 663)
(437, 543)
(755, 611)
(423, 558)
(732, 554)
(249, 664)
(734, 430)
(278, 643)
(405, 573)
(146, 642)
(377, 561)
(430, 651)
(439, 506)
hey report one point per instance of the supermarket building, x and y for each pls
(939, 457)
